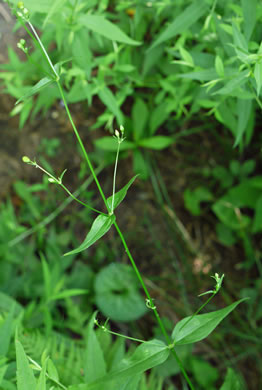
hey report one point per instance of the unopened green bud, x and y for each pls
(26, 159)
(20, 5)
(51, 180)
(117, 134)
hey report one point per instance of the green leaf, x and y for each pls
(205, 374)
(120, 195)
(249, 8)
(233, 84)
(230, 215)
(232, 381)
(117, 293)
(52, 371)
(102, 26)
(36, 88)
(257, 223)
(219, 66)
(41, 383)
(243, 112)
(194, 198)
(68, 293)
(185, 20)
(56, 6)
(157, 142)
(6, 331)
(146, 356)
(110, 102)
(240, 43)
(99, 228)
(94, 362)
(200, 326)
(158, 116)
(140, 115)
(140, 165)
(109, 144)
(258, 76)
(25, 376)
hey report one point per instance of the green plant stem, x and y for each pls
(114, 177)
(198, 310)
(82, 146)
(161, 325)
(160, 322)
(67, 190)
(44, 51)
(55, 213)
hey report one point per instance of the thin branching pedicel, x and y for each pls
(120, 138)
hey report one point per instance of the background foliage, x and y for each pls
(185, 81)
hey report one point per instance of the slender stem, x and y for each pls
(82, 146)
(79, 201)
(43, 50)
(114, 178)
(168, 340)
(55, 213)
(153, 307)
(67, 190)
(198, 310)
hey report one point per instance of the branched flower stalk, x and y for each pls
(23, 15)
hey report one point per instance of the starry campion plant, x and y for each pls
(187, 331)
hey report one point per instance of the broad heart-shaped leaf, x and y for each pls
(200, 326)
(102, 26)
(99, 228)
(25, 376)
(117, 293)
(120, 195)
(36, 88)
(183, 21)
(147, 355)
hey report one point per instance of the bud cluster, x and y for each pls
(22, 45)
(22, 11)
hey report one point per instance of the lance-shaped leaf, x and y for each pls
(120, 195)
(102, 26)
(146, 356)
(25, 376)
(99, 228)
(182, 22)
(200, 326)
(36, 88)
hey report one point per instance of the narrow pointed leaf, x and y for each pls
(25, 376)
(102, 26)
(94, 362)
(183, 21)
(41, 383)
(146, 356)
(120, 195)
(99, 228)
(68, 293)
(6, 331)
(158, 142)
(110, 102)
(36, 88)
(201, 325)
(109, 144)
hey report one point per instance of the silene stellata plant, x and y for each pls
(148, 354)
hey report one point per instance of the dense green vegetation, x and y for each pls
(85, 302)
